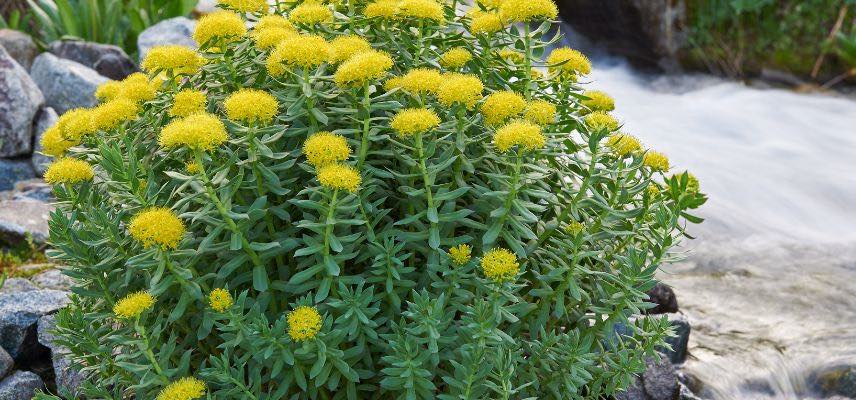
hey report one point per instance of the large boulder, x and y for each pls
(66, 84)
(108, 60)
(20, 99)
(658, 382)
(13, 171)
(20, 46)
(178, 31)
(21, 220)
(663, 298)
(68, 378)
(19, 314)
(45, 119)
(22, 385)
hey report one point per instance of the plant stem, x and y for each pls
(512, 194)
(148, 350)
(426, 181)
(364, 138)
(527, 63)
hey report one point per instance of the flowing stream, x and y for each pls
(769, 284)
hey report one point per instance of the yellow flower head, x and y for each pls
(305, 51)
(486, 22)
(251, 105)
(540, 112)
(192, 167)
(519, 133)
(363, 67)
(133, 305)
(692, 183)
(460, 88)
(598, 101)
(112, 113)
(528, 10)
(412, 121)
(187, 388)
(623, 144)
(178, 59)
(220, 300)
(500, 265)
(108, 90)
(187, 102)
(69, 170)
(225, 25)
(325, 148)
(601, 120)
(500, 106)
(656, 161)
(460, 254)
(383, 9)
(273, 21)
(311, 13)
(268, 38)
(420, 80)
(652, 190)
(196, 131)
(138, 88)
(157, 226)
(568, 63)
(455, 58)
(511, 55)
(491, 4)
(303, 323)
(421, 9)
(574, 228)
(54, 144)
(75, 124)
(339, 177)
(343, 47)
(246, 6)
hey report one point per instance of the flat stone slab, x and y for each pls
(21, 217)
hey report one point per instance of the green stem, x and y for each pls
(310, 104)
(527, 63)
(512, 194)
(148, 351)
(426, 181)
(364, 138)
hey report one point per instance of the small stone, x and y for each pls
(6, 363)
(65, 84)
(108, 60)
(17, 285)
(23, 219)
(20, 99)
(45, 119)
(20, 46)
(67, 377)
(663, 298)
(660, 380)
(177, 31)
(19, 313)
(53, 279)
(13, 171)
(22, 385)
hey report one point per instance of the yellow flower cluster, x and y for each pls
(157, 226)
(653, 190)
(500, 265)
(511, 55)
(220, 300)
(344, 47)
(656, 161)
(251, 106)
(421, 9)
(540, 112)
(69, 170)
(311, 13)
(490, 4)
(363, 67)
(574, 228)
(246, 6)
(269, 38)
(455, 58)
(176, 59)
(414, 121)
(623, 144)
(273, 21)
(568, 63)
(519, 133)
(187, 388)
(135, 87)
(500, 106)
(133, 305)
(196, 131)
(527, 10)
(460, 254)
(192, 167)
(222, 25)
(303, 323)
(460, 88)
(417, 81)
(601, 120)
(598, 101)
(383, 9)
(187, 102)
(54, 144)
(325, 148)
(112, 113)
(486, 22)
(339, 177)
(304, 51)
(75, 124)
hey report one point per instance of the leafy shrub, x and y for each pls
(382, 200)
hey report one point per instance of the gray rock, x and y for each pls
(178, 31)
(836, 380)
(680, 342)
(68, 377)
(13, 171)
(634, 392)
(108, 60)
(20, 46)
(22, 218)
(53, 279)
(206, 7)
(20, 99)
(45, 119)
(33, 189)
(687, 394)
(65, 84)
(6, 363)
(22, 385)
(663, 298)
(660, 380)
(19, 313)
(17, 285)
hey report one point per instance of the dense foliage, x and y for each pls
(382, 200)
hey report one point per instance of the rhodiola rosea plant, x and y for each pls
(361, 200)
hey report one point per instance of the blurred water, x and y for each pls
(770, 284)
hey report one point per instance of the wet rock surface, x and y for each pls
(658, 382)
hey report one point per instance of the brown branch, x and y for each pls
(837, 27)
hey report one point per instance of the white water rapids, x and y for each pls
(769, 284)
